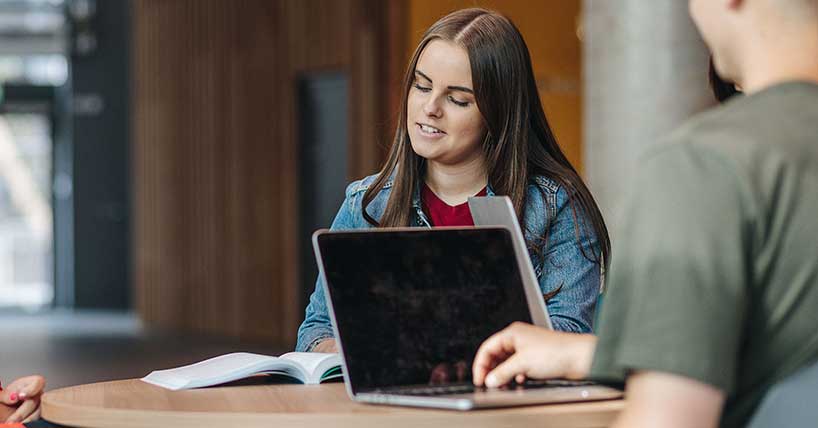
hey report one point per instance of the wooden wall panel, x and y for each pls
(215, 151)
(205, 177)
(376, 71)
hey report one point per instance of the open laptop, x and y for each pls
(410, 307)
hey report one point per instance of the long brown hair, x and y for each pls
(519, 144)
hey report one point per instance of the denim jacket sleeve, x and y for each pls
(317, 325)
(564, 265)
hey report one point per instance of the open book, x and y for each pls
(305, 367)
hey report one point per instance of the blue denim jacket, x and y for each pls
(562, 263)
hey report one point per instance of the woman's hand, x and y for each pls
(523, 351)
(20, 400)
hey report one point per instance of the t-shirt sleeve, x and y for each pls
(677, 294)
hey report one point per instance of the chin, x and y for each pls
(422, 149)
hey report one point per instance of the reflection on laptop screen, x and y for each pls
(412, 307)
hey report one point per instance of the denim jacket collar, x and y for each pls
(420, 216)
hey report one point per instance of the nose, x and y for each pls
(431, 107)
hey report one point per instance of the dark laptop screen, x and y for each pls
(413, 306)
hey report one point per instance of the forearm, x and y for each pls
(672, 401)
(317, 325)
(581, 352)
(311, 336)
(5, 412)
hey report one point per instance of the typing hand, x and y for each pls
(523, 351)
(20, 400)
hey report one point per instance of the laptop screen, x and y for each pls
(413, 306)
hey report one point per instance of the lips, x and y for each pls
(429, 129)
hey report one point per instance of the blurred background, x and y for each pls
(163, 163)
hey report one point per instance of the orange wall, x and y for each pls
(550, 31)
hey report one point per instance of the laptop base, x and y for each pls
(492, 398)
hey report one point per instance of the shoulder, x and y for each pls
(718, 129)
(714, 145)
(743, 134)
(354, 195)
(541, 182)
(703, 166)
(550, 209)
(359, 187)
(545, 195)
(545, 201)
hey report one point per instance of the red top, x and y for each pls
(442, 214)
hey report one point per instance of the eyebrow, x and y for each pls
(454, 88)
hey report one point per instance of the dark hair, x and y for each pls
(519, 144)
(722, 89)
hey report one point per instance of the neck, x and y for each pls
(454, 184)
(789, 56)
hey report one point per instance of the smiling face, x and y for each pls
(444, 123)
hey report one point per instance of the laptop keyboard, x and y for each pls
(467, 388)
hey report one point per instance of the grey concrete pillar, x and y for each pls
(645, 72)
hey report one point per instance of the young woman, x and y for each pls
(471, 123)
(20, 400)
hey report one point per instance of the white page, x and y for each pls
(221, 369)
(310, 361)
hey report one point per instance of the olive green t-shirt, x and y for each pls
(714, 272)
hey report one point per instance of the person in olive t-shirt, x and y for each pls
(713, 286)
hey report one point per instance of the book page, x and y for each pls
(224, 368)
(314, 363)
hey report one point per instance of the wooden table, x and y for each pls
(132, 403)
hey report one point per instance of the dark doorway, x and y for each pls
(323, 119)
